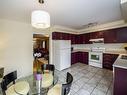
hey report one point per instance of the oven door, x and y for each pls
(95, 57)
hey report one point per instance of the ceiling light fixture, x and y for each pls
(40, 19)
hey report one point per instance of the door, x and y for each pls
(95, 57)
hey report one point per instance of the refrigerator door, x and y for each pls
(65, 59)
(62, 44)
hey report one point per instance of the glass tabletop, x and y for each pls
(33, 86)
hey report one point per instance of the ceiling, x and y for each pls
(69, 13)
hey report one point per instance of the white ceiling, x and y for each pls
(69, 13)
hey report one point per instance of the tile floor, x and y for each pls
(88, 80)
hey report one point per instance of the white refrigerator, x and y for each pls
(61, 54)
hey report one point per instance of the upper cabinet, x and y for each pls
(118, 35)
(61, 36)
(122, 35)
(110, 36)
(96, 35)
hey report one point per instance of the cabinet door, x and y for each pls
(120, 81)
(122, 35)
(110, 36)
(108, 60)
(85, 57)
(78, 39)
(87, 38)
(57, 36)
(73, 39)
(73, 58)
(95, 35)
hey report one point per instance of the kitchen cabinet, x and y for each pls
(74, 58)
(117, 35)
(122, 35)
(81, 57)
(120, 81)
(73, 39)
(96, 35)
(86, 38)
(61, 36)
(110, 36)
(108, 60)
(78, 39)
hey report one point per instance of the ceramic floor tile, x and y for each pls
(88, 87)
(75, 87)
(83, 92)
(98, 92)
(102, 87)
(88, 80)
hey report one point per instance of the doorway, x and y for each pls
(40, 51)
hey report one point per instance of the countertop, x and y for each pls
(109, 51)
(120, 63)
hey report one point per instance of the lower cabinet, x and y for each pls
(108, 60)
(120, 81)
(81, 57)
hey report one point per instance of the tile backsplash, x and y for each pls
(118, 46)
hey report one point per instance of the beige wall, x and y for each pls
(16, 47)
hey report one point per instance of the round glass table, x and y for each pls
(33, 86)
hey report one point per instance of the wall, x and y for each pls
(116, 46)
(16, 47)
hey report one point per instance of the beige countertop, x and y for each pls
(120, 63)
(81, 50)
(109, 51)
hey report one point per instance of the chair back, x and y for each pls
(49, 67)
(1, 72)
(66, 87)
(7, 79)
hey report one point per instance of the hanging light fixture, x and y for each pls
(40, 19)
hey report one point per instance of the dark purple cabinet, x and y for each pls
(87, 38)
(108, 60)
(96, 35)
(79, 57)
(110, 36)
(79, 39)
(74, 57)
(61, 36)
(118, 35)
(73, 39)
(83, 57)
(120, 81)
(122, 35)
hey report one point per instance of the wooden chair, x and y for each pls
(11, 87)
(62, 89)
(47, 75)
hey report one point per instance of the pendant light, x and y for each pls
(40, 18)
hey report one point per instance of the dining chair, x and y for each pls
(62, 89)
(11, 87)
(47, 75)
(1, 74)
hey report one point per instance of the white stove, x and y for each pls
(96, 56)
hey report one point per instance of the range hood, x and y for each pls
(124, 9)
(98, 40)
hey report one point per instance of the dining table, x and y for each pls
(34, 89)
